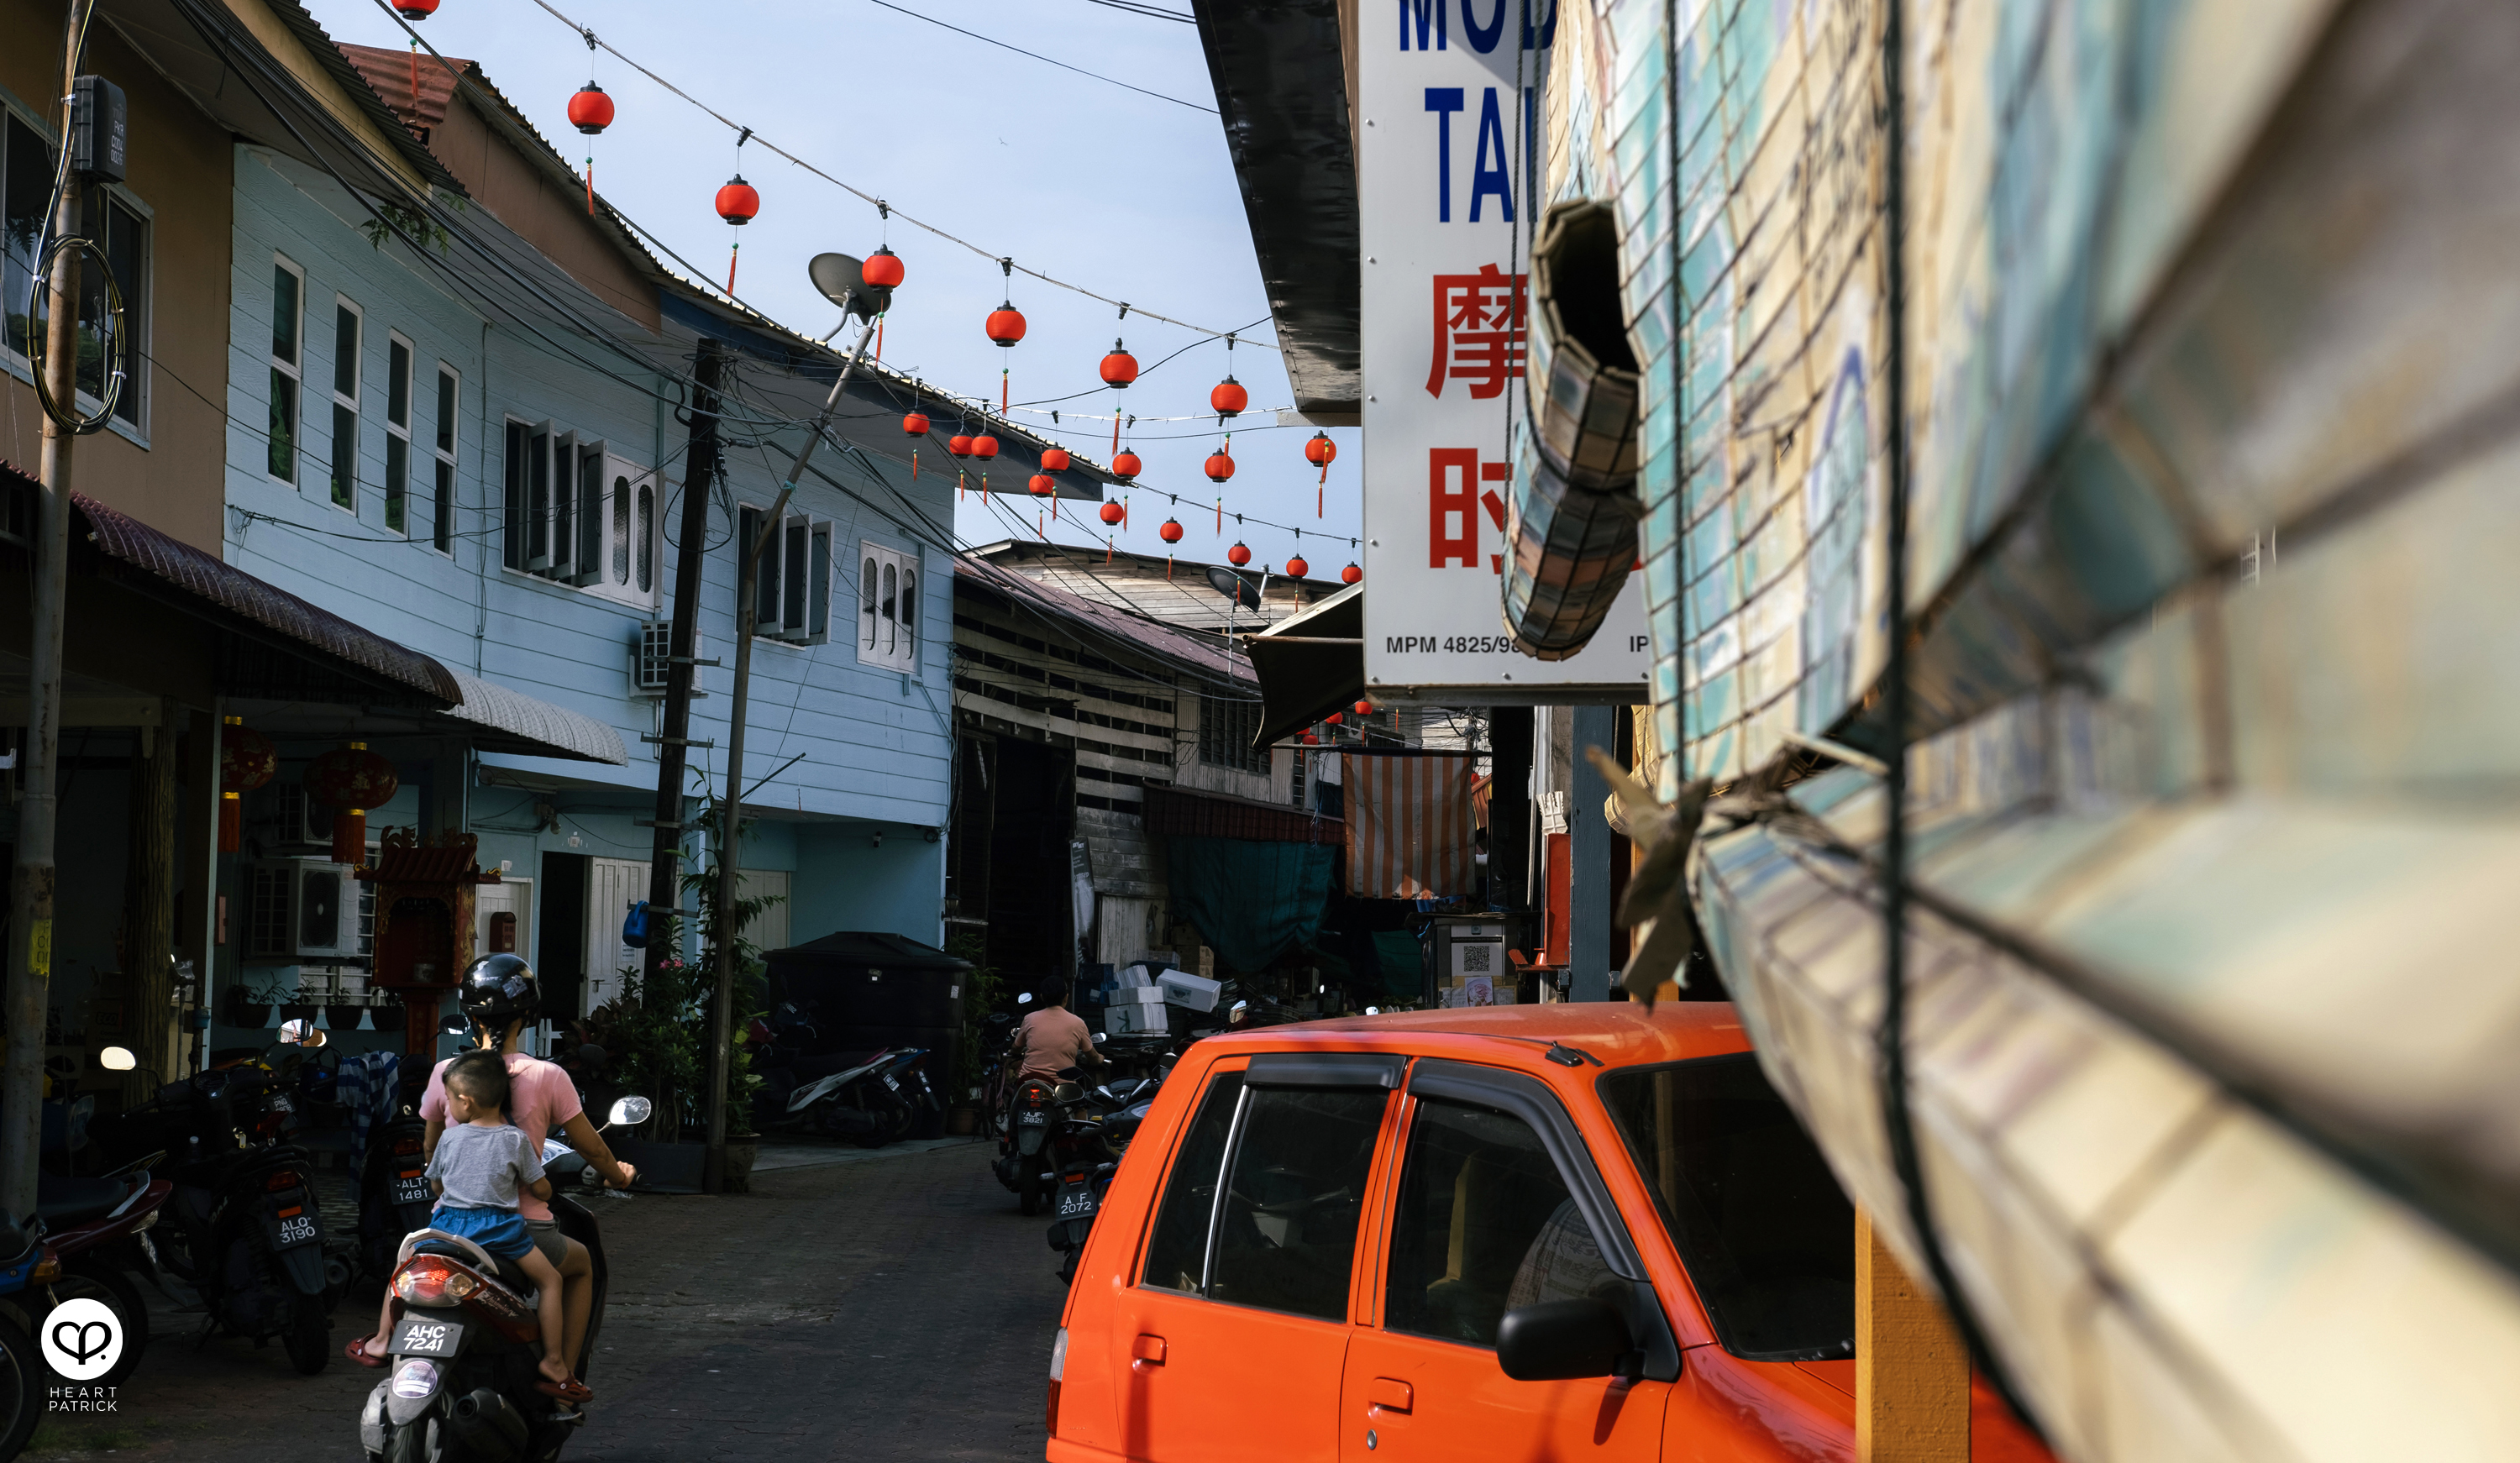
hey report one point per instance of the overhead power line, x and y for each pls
(1037, 56)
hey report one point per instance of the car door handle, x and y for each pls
(1149, 1352)
(1388, 1395)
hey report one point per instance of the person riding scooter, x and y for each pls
(500, 995)
(1052, 1038)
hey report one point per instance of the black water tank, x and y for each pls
(859, 980)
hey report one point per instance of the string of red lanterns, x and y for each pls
(738, 202)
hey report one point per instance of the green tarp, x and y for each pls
(1251, 901)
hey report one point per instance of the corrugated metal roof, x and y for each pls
(1108, 622)
(566, 732)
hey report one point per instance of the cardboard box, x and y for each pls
(1196, 992)
(1135, 1021)
(1147, 995)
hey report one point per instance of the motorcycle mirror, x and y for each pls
(454, 1025)
(300, 1032)
(1100, 1037)
(1024, 1000)
(630, 1112)
(116, 1059)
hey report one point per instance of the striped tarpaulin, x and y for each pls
(1409, 827)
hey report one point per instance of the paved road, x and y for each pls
(897, 1309)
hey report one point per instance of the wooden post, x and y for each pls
(149, 902)
(1912, 1374)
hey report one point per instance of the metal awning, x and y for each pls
(1310, 665)
(501, 720)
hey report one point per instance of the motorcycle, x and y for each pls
(25, 1261)
(873, 1100)
(1103, 1121)
(97, 1228)
(460, 1369)
(246, 1233)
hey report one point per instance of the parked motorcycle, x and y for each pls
(98, 1229)
(25, 1261)
(466, 1344)
(873, 1100)
(393, 1190)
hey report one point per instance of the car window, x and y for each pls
(1176, 1256)
(1286, 1238)
(1484, 1225)
(1767, 1236)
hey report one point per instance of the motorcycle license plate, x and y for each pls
(288, 1231)
(422, 1336)
(411, 1191)
(1077, 1202)
(1031, 1119)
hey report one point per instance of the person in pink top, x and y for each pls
(499, 996)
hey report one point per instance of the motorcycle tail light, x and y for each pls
(284, 1178)
(405, 1147)
(290, 1212)
(47, 1268)
(427, 1281)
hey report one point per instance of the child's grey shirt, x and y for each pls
(482, 1168)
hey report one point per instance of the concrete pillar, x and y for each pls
(1587, 931)
(1912, 1374)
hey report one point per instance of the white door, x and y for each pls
(768, 930)
(613, 886)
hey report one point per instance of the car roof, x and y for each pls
(1621, 1033)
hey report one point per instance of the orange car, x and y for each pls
(1521, 1232)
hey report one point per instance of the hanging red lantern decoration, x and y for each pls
(984, 447)
(1228, 399)
(1171, 532)
(1364, 708)
(1297, 568)
(590, 112)
(1312, 739)
(1112, 513)
(415, 10)
(959, 445)
(1005, 326)
(1126, 467)
(1351, 575)
(1220, 467)
(738, 202)
(1332, 719)
(915, 423)
(1044, 485)
(1238, 556)
(1119, 368)
(350, 779)
(882, 269)
(1056, 459)
(1320, 450)
(247, 761)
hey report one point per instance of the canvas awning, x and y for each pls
(1310, 665)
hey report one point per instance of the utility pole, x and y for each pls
(731, 799)
(699, 471)
(31, 880)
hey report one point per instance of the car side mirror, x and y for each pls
(1566, 1341)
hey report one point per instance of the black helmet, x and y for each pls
(500, 988)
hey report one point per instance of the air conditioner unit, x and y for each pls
(301, 910)
(651, 659)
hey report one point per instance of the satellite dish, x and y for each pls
(842, 280)
(1233, 587)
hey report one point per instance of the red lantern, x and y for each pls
(1351, 575)
(1006, 324)
(736, 201)
(1311, 740)
(1119, 368)
(1238, 556)
(1320, 450)
(915, 423)
(1297, 568)
(984, 447)
(1364, 708)
(590, 112)
(1044, 485)
(350, 779)
(414, 10)
(247, 761)
(1126, 467)
(1112, 513)
(1056, 459)
(959, 445)
(1229, 398)
(882, 269)
(1171, 532)
(1220, 467)
(1332, 719)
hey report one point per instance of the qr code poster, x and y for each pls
(1478, 991)
(1481, 957)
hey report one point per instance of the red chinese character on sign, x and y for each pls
(1452, 503)
(1478, 331)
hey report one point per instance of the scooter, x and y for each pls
(25, 1261)
(462, 1366)
(98, 1229)
(871, 1101)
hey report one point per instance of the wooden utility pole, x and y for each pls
(1911, 1372)
(730, 796)
(699, 472)
(31, 880)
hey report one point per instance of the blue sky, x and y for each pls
(1128, 195)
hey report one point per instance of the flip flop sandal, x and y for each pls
(574, 1391)
(357, 1350)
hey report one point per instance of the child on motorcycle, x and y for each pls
(480, 1164)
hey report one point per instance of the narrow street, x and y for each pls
(892, 1306)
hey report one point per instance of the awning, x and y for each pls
(508, 721)
(1310, 665)
(1176, 813)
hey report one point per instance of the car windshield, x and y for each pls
(1767, 1236)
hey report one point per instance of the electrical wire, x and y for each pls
(1135, 8)
(1037, 56)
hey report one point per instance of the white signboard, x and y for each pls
(1446, 88)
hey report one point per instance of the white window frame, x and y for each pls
(583, 479)
(349, 403)
(397, 500)
(295, 373)
(803, 618)
(884, 638)
(446, 435)
(140, 320)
